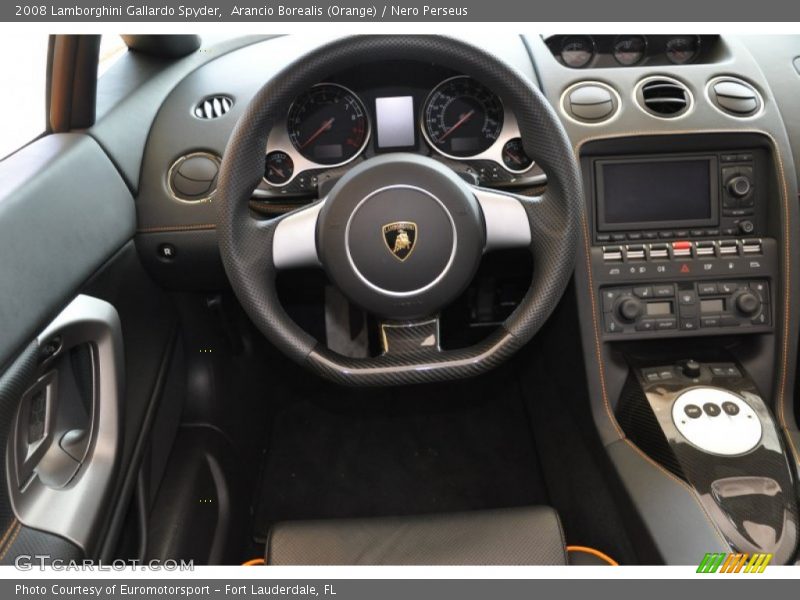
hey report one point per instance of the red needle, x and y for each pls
(325, 127)
(276, 170)
(459, 123)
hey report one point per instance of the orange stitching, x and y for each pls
(11, 542)
(8, 531)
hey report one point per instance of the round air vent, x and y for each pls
(664, 97)
(213, 107)
(193, 178)
(734, 97)
(590, 102)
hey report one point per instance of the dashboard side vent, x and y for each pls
(734, 97)
(663, 97)
(213, 107)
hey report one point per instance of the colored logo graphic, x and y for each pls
(721, 562)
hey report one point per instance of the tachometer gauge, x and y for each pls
(514, 157)
(328, 125)
(462, 117)
(629, 49)
(577, 51)
(279, 167)
(683, 49)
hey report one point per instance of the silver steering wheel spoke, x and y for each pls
(294, 244)
(507, 222)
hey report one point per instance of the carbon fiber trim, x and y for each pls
(245, 245)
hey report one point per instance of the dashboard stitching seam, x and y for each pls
(11, 541)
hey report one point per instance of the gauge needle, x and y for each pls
(459, 123)
(323, 128)
(514, 156)
(276, 170)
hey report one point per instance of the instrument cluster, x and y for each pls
(458, 120)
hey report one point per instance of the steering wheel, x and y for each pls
(400, 235)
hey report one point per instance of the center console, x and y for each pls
(679, 246)
(707, 424)
(684, 272)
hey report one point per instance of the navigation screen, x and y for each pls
(655, 191)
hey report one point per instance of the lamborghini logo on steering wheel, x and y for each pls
(400, 238)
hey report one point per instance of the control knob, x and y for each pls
(628, 309)
(691, 369)
(739, 186)
(747, 303)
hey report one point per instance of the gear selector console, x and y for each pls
(707, 423)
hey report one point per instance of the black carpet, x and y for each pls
(338, 452)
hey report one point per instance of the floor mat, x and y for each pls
(356, 453)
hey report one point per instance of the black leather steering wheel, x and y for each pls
(445, 224)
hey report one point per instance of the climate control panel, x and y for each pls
(710, 307)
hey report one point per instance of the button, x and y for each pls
(692, 411)
(713, 232)
(744, 157)
(166, 251)
(664, 291)
(635, 235)
(704, 249)
(662, 324)
(730, 231)
(728, 157)
(682, 248)
(719, 371)
(682, 233)
(609, 297)
(711, 409)
(651, 377)
(650, 235)
(618, 237)
(706, 289)
(635, 253)
(751, 247)
(612, 254)
(612, 326)
(665, 234)
(646, 325)
(732, 371)
(728, 287)
(761, 319)
(689, 324)
(697, 232)
(603, 237)
(730, 408)
(666, 374)
(658, 251)
(643, 292)
(709, 321)
(686, 297)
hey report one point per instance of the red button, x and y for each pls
(681, 245)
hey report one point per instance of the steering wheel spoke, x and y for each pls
(410, 338)
(294, 244)
(508, 224)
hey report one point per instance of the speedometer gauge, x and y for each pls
(328, 125)
(462, 117)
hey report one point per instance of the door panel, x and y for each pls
(64, 210)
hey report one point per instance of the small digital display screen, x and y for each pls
(659, 308)
(328, 151)
(659, 191)
(395, 121)
(464, 144)
(716, 305)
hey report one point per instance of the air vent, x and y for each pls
(213, 107)
(734, 97)
(590, 102)
(665, 98)
(193, 178)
